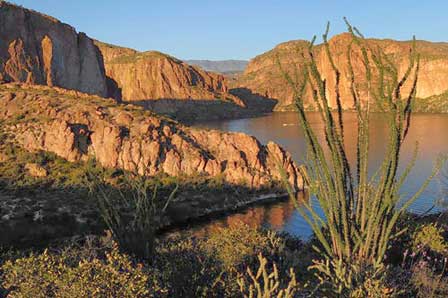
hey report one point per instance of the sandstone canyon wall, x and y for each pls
(153, 75)
(38, 49)
(77, 126)
(264, 77)
(172, 87)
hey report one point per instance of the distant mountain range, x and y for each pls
(221, 66)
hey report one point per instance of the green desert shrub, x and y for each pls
(210, 266)
(266, 282)
(132, 210)
(234, 245)
(63, 275)
(373, 288)
(61, 173)
(427, 260)
(358, 211)
(430, 236)
(187, 270)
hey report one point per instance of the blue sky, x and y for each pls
(240, 29)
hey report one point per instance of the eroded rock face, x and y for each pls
(38, 49)
(168, 86)
(153, 75)
(77, 126)
(263, 76)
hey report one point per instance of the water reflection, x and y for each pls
(274, 216)
(428, 130)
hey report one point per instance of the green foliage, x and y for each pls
(373, 288)
(432, 104)
(430, 236)
(423, 257)
(201, 267)
(61, 173)
(266, 284)
(360, 211)
(232, 246)
(190, 266)
(62, 275)
(181, 267)
(188, 271)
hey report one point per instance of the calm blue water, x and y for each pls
(429, 130)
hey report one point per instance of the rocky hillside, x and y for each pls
(263, 76)
(172, 87)
(77, 126)
(153, 75)
(38, 49)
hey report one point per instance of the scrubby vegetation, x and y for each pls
(270, 265)
(180, 267)
(433, 104)
(75, 273)
(141, 55)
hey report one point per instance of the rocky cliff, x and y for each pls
(264, 77)
(153, 75)
(77, 126)
(172, 87)
(38, 49)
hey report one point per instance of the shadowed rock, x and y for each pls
(77, 126)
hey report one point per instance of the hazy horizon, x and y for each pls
(237, 30)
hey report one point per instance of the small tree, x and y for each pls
(359, 211)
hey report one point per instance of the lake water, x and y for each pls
(429, 130)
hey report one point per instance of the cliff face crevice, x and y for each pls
(38, 49)
(47, 57)
(263, 76)
(77, 126)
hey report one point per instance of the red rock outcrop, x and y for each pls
(77, 126)
(38, 49)
(152, 75)
(264, 77)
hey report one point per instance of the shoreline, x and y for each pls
(208, 215)
(44, 223)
